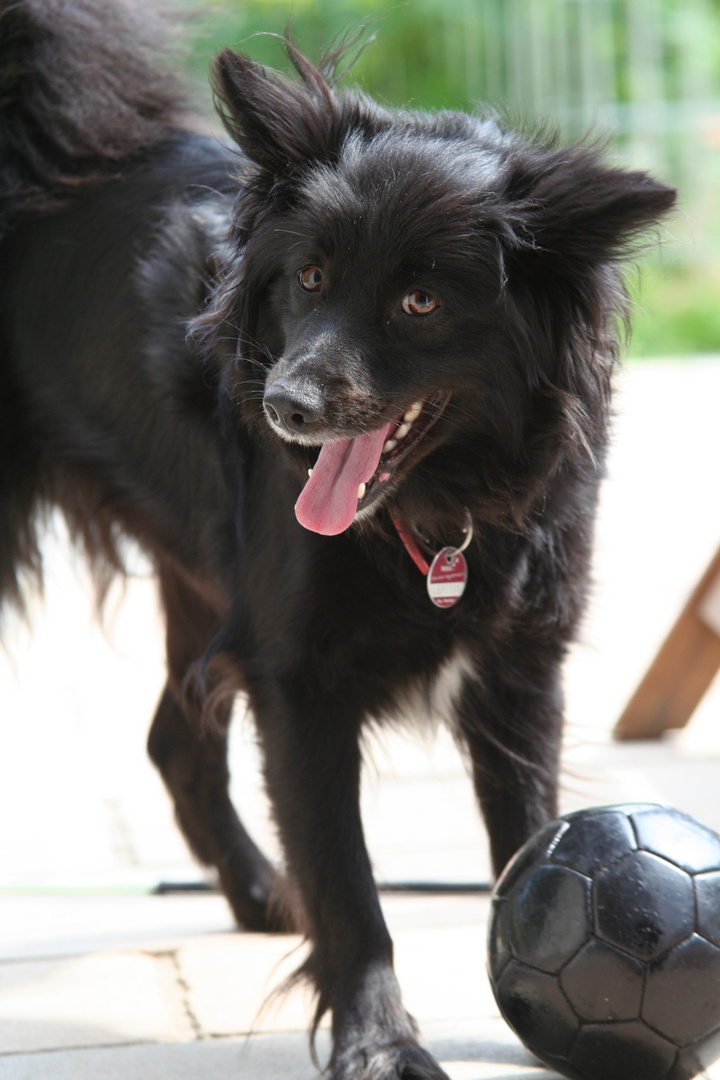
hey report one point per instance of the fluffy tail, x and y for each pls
(84, 84)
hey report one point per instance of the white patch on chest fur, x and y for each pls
(434, 700)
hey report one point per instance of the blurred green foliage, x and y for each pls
(676, 310)
(417, 55)
(647, 69)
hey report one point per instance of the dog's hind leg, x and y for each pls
(191, 754)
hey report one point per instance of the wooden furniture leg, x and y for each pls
(683, 668)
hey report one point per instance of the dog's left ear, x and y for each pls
(277, 122)
(574, 211)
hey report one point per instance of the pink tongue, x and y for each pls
(328, 502)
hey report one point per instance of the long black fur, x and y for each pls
(166, 376)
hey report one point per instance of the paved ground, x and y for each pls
(98, 979)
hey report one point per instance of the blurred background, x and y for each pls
(644, 73)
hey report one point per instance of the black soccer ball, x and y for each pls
(604, 944)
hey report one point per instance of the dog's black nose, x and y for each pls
(298, 409)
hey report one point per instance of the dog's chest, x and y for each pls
(435, 698)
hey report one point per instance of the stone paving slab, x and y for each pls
(441, 970)
(485, 1050)
(481, 1052)
(53, 924)
(49, 924)
(90, 1000)
(248, 967)
(221, 984)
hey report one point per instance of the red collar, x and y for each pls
(411, 547)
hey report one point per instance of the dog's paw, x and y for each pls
(397, 1061)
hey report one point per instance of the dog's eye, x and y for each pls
(418, 302)
(310, 278)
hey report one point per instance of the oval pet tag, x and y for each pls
(447, 577)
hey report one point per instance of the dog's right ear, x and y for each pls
(280, 124)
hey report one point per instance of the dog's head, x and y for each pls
(417, 294)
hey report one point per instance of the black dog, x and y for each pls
(422, 310)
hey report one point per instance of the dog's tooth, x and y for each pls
(309, 472)
(361, 491)
(402, 431)
(389, 445)
(413, 412)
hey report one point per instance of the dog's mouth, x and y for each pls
(350, 474)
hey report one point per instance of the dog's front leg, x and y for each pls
(312, 765)
(511, 719)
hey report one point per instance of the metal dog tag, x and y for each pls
(447, 577)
